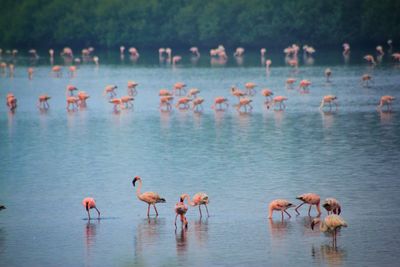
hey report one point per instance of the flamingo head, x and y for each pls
(315, 222)
(135, 179)
(290, 205)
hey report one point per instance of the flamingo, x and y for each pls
(250, 88)
(239, 52)
(83, 96)
(370, 59)
(198, 199)
(176, 59)
(72, 70)
(150, 198)
(110, 89)
(193, 92)
(365, 80)
(89, 203)
(328, 99)
(56, 70)
(268, 63)
(96, 60)
(386, 100)
(197, 102)
(346, 49)
(164, 92)
(166, 101)
(279, 99)
(161, 52)
(195, 51)
(379, 49)
(237, 92)
(71, 89)
(396, 56)
(331, 223)
(11, 102)
(263, 51)
(244, 102)
(219, 100)
(328, 74)
(281, 205)
(332, 206)
(268, 94)
(122, 50)
(127, 101)
(180, 210)
(117, 102)
(311, 199)
(290, 82)
(30, 73)
(42, 103)
(304, 85)
(72, 100)
(183, 101)
(132, 88)
(179, 86)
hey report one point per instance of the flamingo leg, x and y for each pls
(176, 217)
(287, 213)
(309, 210)
(298, 213)
(282, 215)
(148, 211)
(88, 213)
(98, 213)
(201, 215)
(154, 206)
(208, 215)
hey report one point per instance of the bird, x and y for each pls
(197, 104)
(151, 198)
(268, 94)
(237, 92)
(166, 101)
(164, 92)
(332, 206)
(71, 89)
(72, 101)
(180, 210)
(127, 101)
(250, 88)
(195, 51)
(11, 102)
(279, 99)
(370, 59)
(311, 199)
(110, 89)
(331, 224)
(117, 103)
(219, 100)
(198, 199)
(179, 86)
(365, 80)
(328, 99)
(183, 102)
(304, 85)
(42, 102)
(83, 96)
(328, 74)
(2, 207)
(132, 88)
(193, 92)
(244, 102)
(89, 203)
(386, 100)
(281, 205)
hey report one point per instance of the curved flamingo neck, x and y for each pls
(190, 202)
(138, 189)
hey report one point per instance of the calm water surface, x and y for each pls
(51, 161)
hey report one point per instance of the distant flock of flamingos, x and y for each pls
(191, 99)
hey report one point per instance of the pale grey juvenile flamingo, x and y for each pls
(331, 224)
(280, 205)
(310, 199)
(332, 205)
(89, 203)
(151, 198)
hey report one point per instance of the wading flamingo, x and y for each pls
(219, 100)
(179, 87)
(237, 92)
(164, 92)
(89, 203)
(250, 88)
(311, 199)
(328, 99)
(176, 59)
(365, 79)
(110, 89)
(132, 88)
(379, 49)
(331, 224)
(195, 51)
(30, 73)
(263, 51)
(386, 100)
(239, 52)
(117, 103)
(183, 102)
(244, 102)
(166, 101)
(127, 101)
(290, 82)
(267, 93)
(332, 206)
(150, 198)
(396, 56)
(56, 70)
(328, 74)
(281, 205)
(11, 102)
(370, 59)
(304, 84)
(70, 90)
(193, 92)
(198, 199)
(197, 103)
(72, 101)
(346, 49)
(279, 99)
(42, 102)
(83, 96)
(180, 210)
(121, 50)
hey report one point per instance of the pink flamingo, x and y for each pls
(164, 92)
(328, 99)
(71, 89)
(166, 101)
(304, 84)
(267, 93)
(365, 79)
(219, 101)
(110, 89)
(89, 203)
(244, 102)
(193, 92)
(386, 100)
(56, 70)
(132, 88)
(279, 99)
(198, 199)
(176, 59)
(161, 52)
(127, 101)
(290, 82)
(263, 51)
(72, 101)
(117, 103)
(250, 88)
(281, 205)
(239, 52)
(11, 102)
(311, 199)
(197, 103)
(396, 56)
(332, 206)
(42, 102)
(150, 198)
(237, 92)
(122, 50)
(72, 71)
(180, 210)
(195, 51)
(83, 96)
(179, 87)
(370, 59)
(268, 63)
(331, 224)
(183, 101)
(379, 49)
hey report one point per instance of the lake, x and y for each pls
(51, 160)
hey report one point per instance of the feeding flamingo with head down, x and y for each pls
(280, 205)
(386, 100)
(180, 210)
(332, 206)
(198, 199)
(310, 199)
(89, 203)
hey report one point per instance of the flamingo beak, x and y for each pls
(134, 181)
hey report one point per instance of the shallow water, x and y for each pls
(50, 161)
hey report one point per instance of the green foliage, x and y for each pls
(251, 23)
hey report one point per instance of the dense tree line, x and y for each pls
(250, 23)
